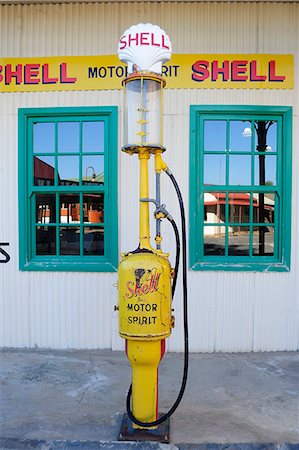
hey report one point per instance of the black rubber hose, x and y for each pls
(177, 256)
(186, 333)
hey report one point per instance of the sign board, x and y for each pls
(184, 71)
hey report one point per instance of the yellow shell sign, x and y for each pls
(184, 71)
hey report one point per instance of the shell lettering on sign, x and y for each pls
(145, 46)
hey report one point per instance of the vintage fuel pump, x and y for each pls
(146, 281)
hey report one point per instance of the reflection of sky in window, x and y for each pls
(93, 136)
(214, 169)
(240, 169)
(239, 165)
(68, 136)
(68, 167)
(237, 141)
(44, 137)
(215, 135)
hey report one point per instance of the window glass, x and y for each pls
(215, 135)
(93, 137)
(214, 240)
(240, 136)
(62, 203)
(44, 170)
(214, 169)
(68, 170)
(45, 240)
(68, 137)
(45, 208)
(240, 184)
(240, 169)
(93, 170)
(44, 137)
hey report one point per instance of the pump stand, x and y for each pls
(159, 434)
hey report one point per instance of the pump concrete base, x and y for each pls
(128, 433)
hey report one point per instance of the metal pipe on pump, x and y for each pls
(145, 275)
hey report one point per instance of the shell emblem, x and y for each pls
(144, 47)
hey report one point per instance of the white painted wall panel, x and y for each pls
(227, 311)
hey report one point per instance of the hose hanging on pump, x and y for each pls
(185, 311)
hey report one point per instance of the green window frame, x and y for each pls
(72, 238)
(212, 202)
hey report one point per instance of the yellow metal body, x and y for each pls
(145, 357)
(144, 297)
(144, 302)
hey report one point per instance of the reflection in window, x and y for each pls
(69, 240)
(265, 135)
(69, 208)
(214, 240)
(68, 170)
(44, 137)
(214, 169)
(68, 137)
(93, 137)
(214, 204)
(45, 208)
(239, 130)
(238, 241)
(265, 170)
(93, 170)
(214, 135)
(93, 208)
(263, 241)
(239, 207)
(93, 241)
(240, 169)
(45, 240)
(44, 170)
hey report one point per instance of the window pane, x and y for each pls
(214, 169)
(263, 207)
(68, 170)
(45, 240)
(238, 241)
(240, 136)
(93, 170)
(215, 135)
(69, 208)
(45, 208)
(240, 170)
(68, 137)
(93, 205)
(44, 170)
(44, 137)
(214, 240)
(214, 204)
(93, 241)
(263, 241)
(239, 207)
(93, 136)
(265, 170)
(266, 136)
(69, 240)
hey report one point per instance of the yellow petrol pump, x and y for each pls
(145, 277)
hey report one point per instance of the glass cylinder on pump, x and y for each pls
(143, 112)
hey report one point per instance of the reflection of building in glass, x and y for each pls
(239, 211)
(43, 173)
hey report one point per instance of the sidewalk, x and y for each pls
(76, 399)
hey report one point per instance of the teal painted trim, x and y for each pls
(27, 230)
(282, 256)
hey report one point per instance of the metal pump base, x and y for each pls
(128, 433)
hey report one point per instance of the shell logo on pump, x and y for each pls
(146, 47)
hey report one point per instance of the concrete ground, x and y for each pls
(76, 399)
